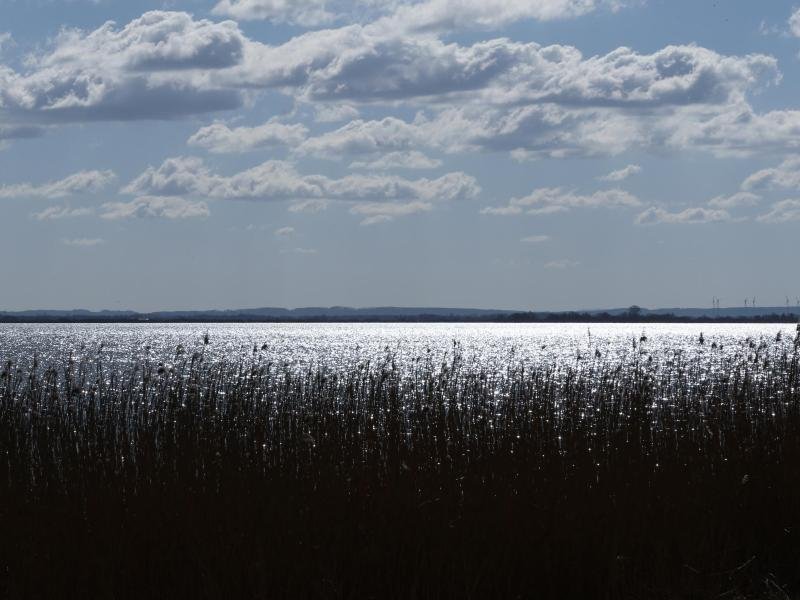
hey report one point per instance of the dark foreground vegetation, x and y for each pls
(666, 478)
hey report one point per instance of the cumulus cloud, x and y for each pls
(732, 130)
(363, 137)
(284, 231)
(392, 141)
(782, 212)
(448, 187)
(157, 66)
(553, 200)
(735, 200)
(219, 138)
(538, 100)
(272, 180)
(437, 15)
(534, 132)
(352, 63)
(155, 207)
(411, 15)
(280, 180)
(794, 23)
(528, 133)
(83, 182)
(381, 212)
(622, 174)
(175, 177)
(83, 242)
(376, 197)
(308, 206)
(156, 41)
(62, 212)
(398, 160)
(301, 12)
(785, 176)
(689, 216)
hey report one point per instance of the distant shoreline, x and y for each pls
(561, 317)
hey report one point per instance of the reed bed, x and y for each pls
(677, 477)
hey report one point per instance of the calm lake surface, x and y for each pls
(340, 346)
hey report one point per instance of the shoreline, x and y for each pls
(521, 318)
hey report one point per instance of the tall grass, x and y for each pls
(639, 478)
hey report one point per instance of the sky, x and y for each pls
(515, 154)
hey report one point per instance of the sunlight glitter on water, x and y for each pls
(340, 346)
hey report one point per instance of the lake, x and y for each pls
(564, 457)
(339, 346)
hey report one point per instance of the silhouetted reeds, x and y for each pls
(642, 478)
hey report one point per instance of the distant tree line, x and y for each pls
(630, 316)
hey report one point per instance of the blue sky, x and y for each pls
(531, 154)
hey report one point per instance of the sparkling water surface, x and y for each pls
(339, 346)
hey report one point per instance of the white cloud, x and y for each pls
(376, 197)
(548, 130)
(561, 264)
(784, 176)
(62, 212)
(363, 137)
(449, 187)
(538, 100)
(6, 41)
(500, 95)
(219, 138)
(794, 23)
(381, 212)
(284, 231)
(334, 113)
(622, 174)
(175, 177)
(530, 132)
(734, 200)
(690, 216)
(535, 239)
(83, 182)
(301, 12)
(83, 242)
(782, 212)
(353, 63)
(161, 207)
(411, 15)
(308, 206)
(272, 180)
(280, 180)
(157, 66)
(156, 41)
(733, 130)
(552, 200)
(399, 160)
(447, 15)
